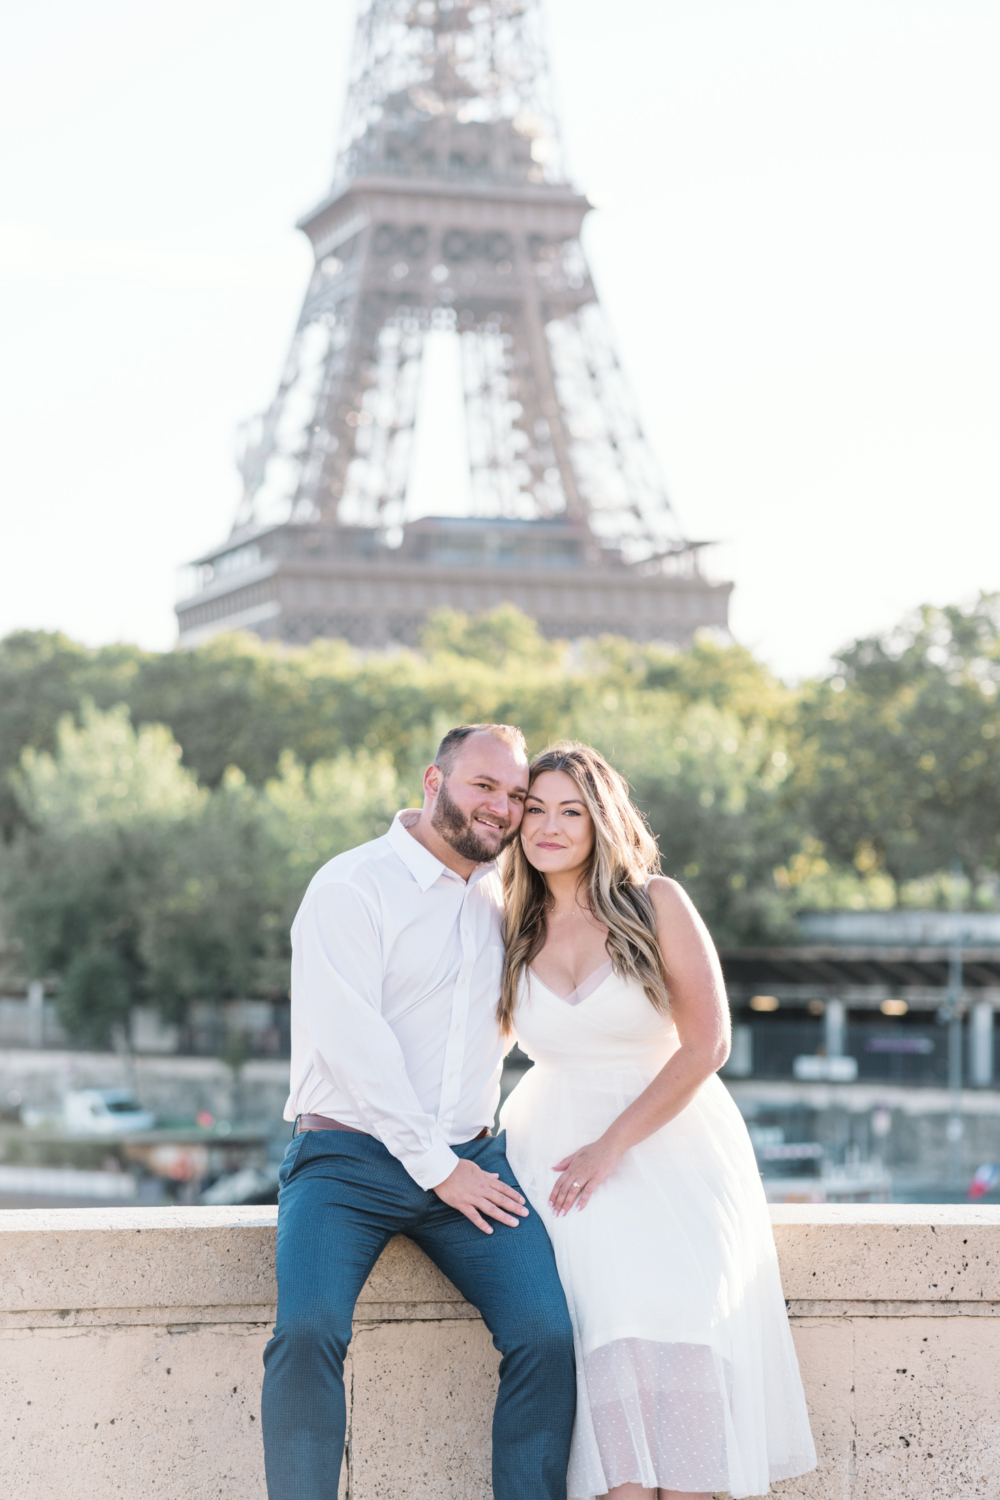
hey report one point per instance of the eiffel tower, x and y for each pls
(450, 218)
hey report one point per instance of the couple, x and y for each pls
(637, 1288)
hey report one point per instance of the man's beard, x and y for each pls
(460, 832)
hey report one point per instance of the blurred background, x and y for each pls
(793, 244)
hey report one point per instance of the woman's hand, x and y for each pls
(582, 1172)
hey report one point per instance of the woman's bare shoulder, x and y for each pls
(667, 895)
(675, 912)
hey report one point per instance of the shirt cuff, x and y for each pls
(430, 1168)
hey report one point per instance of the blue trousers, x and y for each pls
(342, 1198)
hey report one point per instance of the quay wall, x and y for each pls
(132, 1340)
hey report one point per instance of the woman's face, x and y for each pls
(557, 832)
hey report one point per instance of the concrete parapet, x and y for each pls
(132, 1342)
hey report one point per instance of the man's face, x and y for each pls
(478, 805)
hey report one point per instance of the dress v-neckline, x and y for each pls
(584, 989)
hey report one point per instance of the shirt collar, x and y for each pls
(424, 866)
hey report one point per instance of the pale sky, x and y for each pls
(797, 241)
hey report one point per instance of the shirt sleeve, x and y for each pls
(337, 989)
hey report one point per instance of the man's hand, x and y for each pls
(475, 1192)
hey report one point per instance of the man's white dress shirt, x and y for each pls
(396, 965)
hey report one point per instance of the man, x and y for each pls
(396, 1057)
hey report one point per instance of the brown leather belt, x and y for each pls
(323, 1122)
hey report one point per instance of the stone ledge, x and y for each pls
(182, 1261)
(889, 1253)
(168, 1259)
(132, 1342)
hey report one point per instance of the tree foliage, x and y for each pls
(136, 885)
(903, 746)
(162, 814)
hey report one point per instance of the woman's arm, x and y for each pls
(700, 1011)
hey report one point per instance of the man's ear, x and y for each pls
(432, 782)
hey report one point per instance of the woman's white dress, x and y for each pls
(686, 1374)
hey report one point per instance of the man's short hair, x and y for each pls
(447, 751)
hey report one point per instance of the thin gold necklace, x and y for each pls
(558, 914)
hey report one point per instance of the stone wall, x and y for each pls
(132, 1343)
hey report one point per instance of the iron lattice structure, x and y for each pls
(451, 212)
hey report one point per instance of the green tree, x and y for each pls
(77, 878)
(135, 885)
(44, 677)
(237, 701)
(501, 637)
(216, 924)
(899, 746)
(165, 864)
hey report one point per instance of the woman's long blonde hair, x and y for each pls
(623, 858)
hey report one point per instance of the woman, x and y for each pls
(637, 1159)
